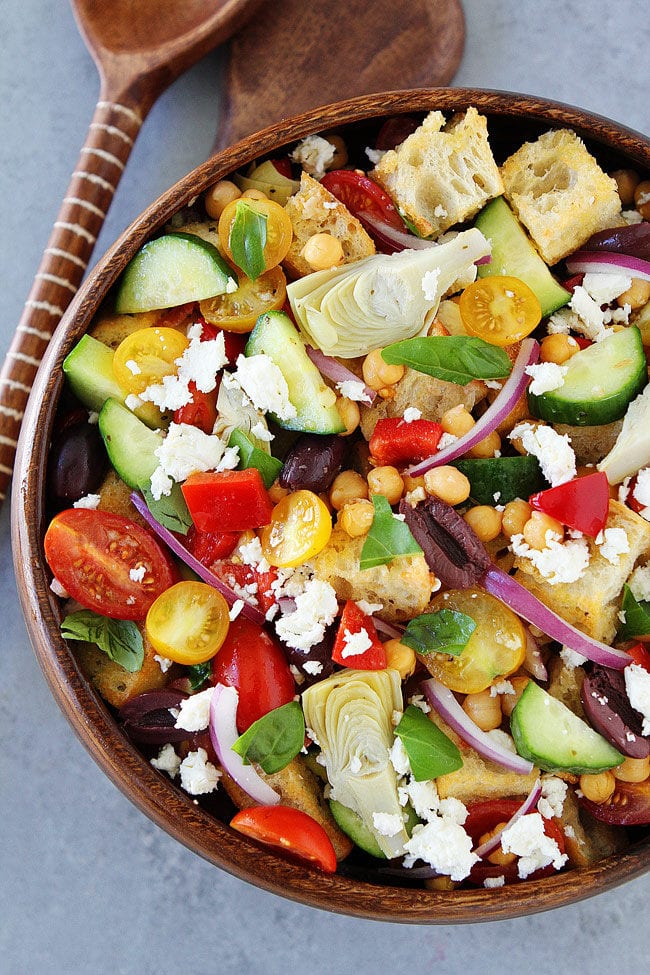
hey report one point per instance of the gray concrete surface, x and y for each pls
(87, 884)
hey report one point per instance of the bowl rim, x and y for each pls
(164, 803)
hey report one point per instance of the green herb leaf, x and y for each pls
(637, 616)
(251, 456)
(198, 674)
(446, 631)
(274, 739)
(121, 640)
(248, 239)
(389, 538)
(454, 358)
(431, 753)
(170, 510)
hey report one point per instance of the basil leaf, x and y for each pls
(251, 456)
(248, 239)
(198, 674)
(170, 510)
(431, 753)
(454, 358)
(120, 640)
(389, 538)
(274, 739)
(637, 616)
(446, 631)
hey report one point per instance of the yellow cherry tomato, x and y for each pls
(499, 309)
(300, 527)
(146, 356)
(496, 648)
(239, 310)
(188, 622)
(279, 231)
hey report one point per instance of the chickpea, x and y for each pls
(219, 196)
(517, 442)
(485, 521)
(457, 421)
(413, 483)
(627, 181)
(487, 447)
(386, 480)
(323, 251)
(598, 787)
(254, 195)
(349, 412)
(636, 296)
(400, 657)
(558, 348)
(440, 883)
(515, 515)
(497, 855)
(642, 198)
(346, 487)
(448, 484)
(378, 374)
(356, 518)
(484, 709)
(508, 701)
(537, 528)
(633, 770)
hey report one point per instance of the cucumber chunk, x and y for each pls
(600, 382)
(129, 443)
(275, 335)
(514, 254)
(498, 480)
(547, 733)
(172, 270)
(353, 826)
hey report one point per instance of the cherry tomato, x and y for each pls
(95, 555)
(233, 342)
(188, 622)
(300, 528)
(227, 500)
(283, 166)
(177, 316)
(353, 621)
(628, 806)
(238, 310)
(582, 503)
(484, 817)
(496, 648)
(640, 655)
(292, 832)
(499, 309)
(145, 356)
(254, 663)
(201, 411)
(279, 231)
(209, 547)
(362, 196)
(240, 576)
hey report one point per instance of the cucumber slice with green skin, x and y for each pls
(173, 270)
(275, 335)
(498, 480)
(600, 382)
(555, 739)
(89, 371)
(353, 826)
(130, 444)
(514, 254)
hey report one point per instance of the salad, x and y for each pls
(350, 504)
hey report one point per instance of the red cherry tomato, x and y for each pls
(209, 547)
(227, 500)
(238, 576)
(355, 621)
(201, 411)
(93, 553)
(362, 196)
(283, 166)
(582, 503)
(291, 831)
(640, 655)
(254, 663)
(629, 805)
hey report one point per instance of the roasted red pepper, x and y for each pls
(228, 501)
(395, 442)
(354, 621)
(582, 503)
(209, 547)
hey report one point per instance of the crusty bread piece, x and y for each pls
(299, 788)
(586, 840)
(442, 174)
(115, 684)
(559, 192)
(115, 496)
(113, 329)
(592, 603)
(403, 587)
(565, 684)
(590, 444)
(314, 210)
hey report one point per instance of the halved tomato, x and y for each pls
(188, 622)
(238, 310)
(279, 231)
(362, 197)
(144, 357)
(290, 831)
(499, 309)
(628, 806)
(107, 563)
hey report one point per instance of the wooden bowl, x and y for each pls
(513, 119)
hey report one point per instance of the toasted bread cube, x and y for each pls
(560, 193)
(115, 684)
(442, 174)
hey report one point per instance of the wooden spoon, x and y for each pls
(139, 49)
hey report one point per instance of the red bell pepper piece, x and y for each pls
(209, 547)
(240, 576)
(228, 501)
(582, 503)
(355, 621)
(394, 441)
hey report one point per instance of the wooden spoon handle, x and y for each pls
(108, 143)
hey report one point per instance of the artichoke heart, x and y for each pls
(351, 716)
(235, 411)
(349, 310)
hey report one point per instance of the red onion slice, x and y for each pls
(332, 368)
(503, 405)
(223, 735)
(610, 262)
(397, 240)
(529, 803)
(444, 702)
(202, 571)
(522, 602)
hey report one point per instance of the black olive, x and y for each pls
(313, 462)
(77, 463)
(609, 711)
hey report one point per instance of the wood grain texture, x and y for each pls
(511, 119)
(294, 56)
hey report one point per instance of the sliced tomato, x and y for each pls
(582, 503)
(357, 629)
(290, 831)
(98, 557)
(629, 805)
(210, 547)
(253, 662)
(299, 528)
(201, 411)
(237, 311)
(279, 231)
(362, 196)
(146, 356)
(188, 622)
(499, 309)
(241, 577)
(227, 500)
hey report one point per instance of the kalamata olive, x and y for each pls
(633, 240)
(313, 462)
(450, 546)
(77, 463)
(147, 718)
(314, 664)
(608, 709)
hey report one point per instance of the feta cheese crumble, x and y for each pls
(355, 643)
(198, 775)
(194, 712)
(527, 840)
(444, 844)
(354, 390)
(187, 449)
(314, 154)
(613, 544)
(546, 376)
(558, 561)
(90, 501)
(637, 686)
(167, 761)
(264, 384)
(553, 451)
(412, 413)
(315, 609)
